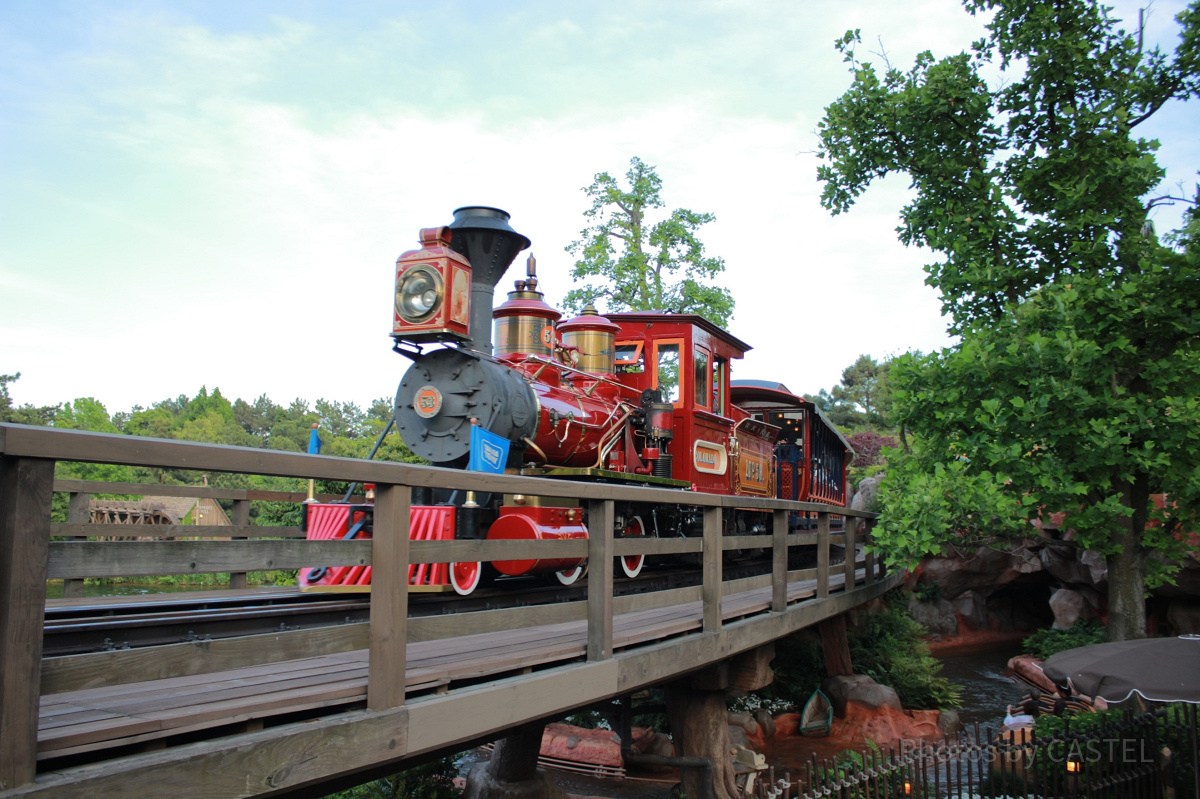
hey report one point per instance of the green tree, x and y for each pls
(26, 414)
(1074, 386)
(634, 265)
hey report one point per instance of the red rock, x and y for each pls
(884, 725)
(579, 745)
(787, 724)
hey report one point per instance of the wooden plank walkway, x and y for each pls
(146, 713)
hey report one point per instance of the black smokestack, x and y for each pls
(485, 238)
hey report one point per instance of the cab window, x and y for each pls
(629, 358)
(667, 373)
(720, 369)
(700, 377)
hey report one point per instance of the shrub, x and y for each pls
(1044, 643)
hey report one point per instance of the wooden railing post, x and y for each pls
(779, 561)
(868, 553)
(389, 598)
(851, 524)
(710, 592)
(26, 492)
(241, 518)
(822, 554)
(600, 580)
(78, 512)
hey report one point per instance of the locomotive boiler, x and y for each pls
(636, 397)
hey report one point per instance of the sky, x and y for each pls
(215, 193)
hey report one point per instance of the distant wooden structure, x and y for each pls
(200, 512)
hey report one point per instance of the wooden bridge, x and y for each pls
(297, 710)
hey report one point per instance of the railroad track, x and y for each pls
(112, 623)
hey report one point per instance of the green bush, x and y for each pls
(889, 647)
(1045, 643)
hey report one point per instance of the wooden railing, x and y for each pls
(29, 557)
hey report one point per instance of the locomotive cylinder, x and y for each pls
(537, 524)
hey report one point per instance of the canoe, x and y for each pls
(817, 716)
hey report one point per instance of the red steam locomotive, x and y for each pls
(642, 398)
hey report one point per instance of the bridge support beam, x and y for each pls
(836, 646)
(699, 716)
(512, 772)
(700, 729)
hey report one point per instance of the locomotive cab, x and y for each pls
(717, 447)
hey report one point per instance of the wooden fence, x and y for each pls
(30, 554)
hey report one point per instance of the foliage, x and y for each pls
(931, 507)
(888, 647)
(868, 448)
(1075, 383)
(1044, 643)
(635, 265)
(928, 592)
(433, 780)
(848, 764)
(862, 399)
(26, 414)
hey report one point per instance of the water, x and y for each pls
(986, 691)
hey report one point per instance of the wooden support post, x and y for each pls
(836, 646)
(851, 524)
(600, 580)
(389, 598)
(711, 590)
(779, 561)
(78, 512)
(822, 554)
(26, 491)
(241, 518)
(868, 552)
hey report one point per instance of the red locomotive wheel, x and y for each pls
(571, 576)
(632, 565)
(464, 577)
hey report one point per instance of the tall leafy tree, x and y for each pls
(634, 264)
(1074, 386)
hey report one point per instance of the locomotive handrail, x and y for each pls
(29, 557)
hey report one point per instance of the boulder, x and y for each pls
(885, 725)
(867, 495)
(860, 689)
(1070, 607)
(936, 616)
(984, 568)
(948, 722)
(766, 722)
(971, 610)
(581, 745)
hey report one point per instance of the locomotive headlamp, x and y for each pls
(433, 291)
(419, 294)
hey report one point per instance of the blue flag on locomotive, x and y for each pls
(314, 442)
(489, 452)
